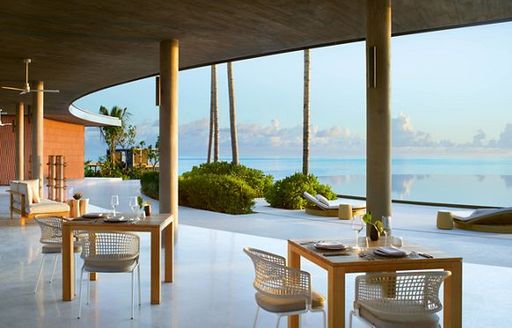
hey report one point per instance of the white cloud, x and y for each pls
(404, 135)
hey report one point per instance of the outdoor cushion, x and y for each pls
(390, 320)
(333, 204)
(322, 199)
(288, 304)
(107, 263)
(34, 187)
(56, 248)
(26, 190)
(47, 206)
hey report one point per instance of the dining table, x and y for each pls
(339, 263)
(160, 227)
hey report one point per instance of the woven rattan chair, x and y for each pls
(51, 240)
(282, 290)
(110, 252)
(399, 300)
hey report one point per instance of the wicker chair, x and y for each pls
(110, 252)
(399, 300)
(282, 290)
(51, 240)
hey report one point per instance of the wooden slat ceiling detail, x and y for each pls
(83, 46)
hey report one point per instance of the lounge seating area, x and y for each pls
(495, 220)
(27, 201)
(334, 208)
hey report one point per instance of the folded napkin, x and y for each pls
(330, 245)
(390, 252)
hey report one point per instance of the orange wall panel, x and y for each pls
(60, 139)
(66, 139)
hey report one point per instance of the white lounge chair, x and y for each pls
(340, 208)
(26, 201)
(498, 220)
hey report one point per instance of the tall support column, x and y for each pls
(169, 66)
(20, 141)
(378, 108)
(38, 135)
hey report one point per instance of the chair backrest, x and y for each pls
(273, 277)
(404, 293)
(110, 246)
(51, 230)
(314, 200)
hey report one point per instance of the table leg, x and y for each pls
(169, 253)
(155, 266)
(293, 262)
(92, 250)
(452, 314)
(336, 298)
(68, 265)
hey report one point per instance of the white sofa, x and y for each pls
(26, 201)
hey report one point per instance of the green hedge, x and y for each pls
(149, 184)
(219, 193)
(287, 193)
(256, 179)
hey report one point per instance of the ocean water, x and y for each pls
(445, 180)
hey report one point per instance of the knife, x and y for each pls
(335, 254)
(425, 255)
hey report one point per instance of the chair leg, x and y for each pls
(54, 268)
(39, 274)
(132, 296)
(138, 280)
(350, 319)
(80, 294)
(256, 317)
(88, 290)
(278, 320)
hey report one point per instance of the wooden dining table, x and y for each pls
(157, 225)
(338, 266)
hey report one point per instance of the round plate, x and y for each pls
(330, 245)
(93, 215)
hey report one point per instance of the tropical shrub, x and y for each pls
(256, 179)
(219, 193)
(149, 184)
(287, 193)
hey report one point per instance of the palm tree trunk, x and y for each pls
(213, 100)
(305, 132)
(215, 114)
(232, 115)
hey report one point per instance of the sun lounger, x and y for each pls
(498, 220)
(335, 208)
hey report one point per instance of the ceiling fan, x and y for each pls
(1, 123)
(26, 88)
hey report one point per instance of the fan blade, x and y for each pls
(12, 88)
(48, 91)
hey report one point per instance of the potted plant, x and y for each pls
(376, 226)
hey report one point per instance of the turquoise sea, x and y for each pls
(443, 180)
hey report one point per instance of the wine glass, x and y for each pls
(114, 202)
(357, 226)
(134, 204)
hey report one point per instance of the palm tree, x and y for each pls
(232, 115)
(305, 132)
(213, 113)
(114, 135)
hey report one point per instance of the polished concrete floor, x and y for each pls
(212, 285)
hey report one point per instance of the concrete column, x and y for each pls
(38, 135)
(20, 141)
(378, 109)
(169, 66)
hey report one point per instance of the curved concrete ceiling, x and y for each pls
(83, 46)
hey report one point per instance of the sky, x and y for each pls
(451, 97)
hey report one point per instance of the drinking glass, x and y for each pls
(114, 202)
(397, 242)
(357, 226)
(363, 243)
(134, 205)
(386, 223)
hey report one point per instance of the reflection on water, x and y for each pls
(490, 190)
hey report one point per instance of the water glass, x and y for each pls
(114, 202)
(397, 242)
(357, 226)
(134, 204)
(386, 223)
(363, 243)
